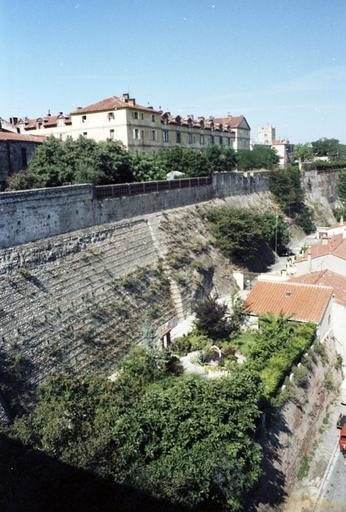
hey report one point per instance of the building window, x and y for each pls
(84, 119)
(111, 134)
(142, 135)
(212, 140)
(229, 141)
(136, 133)
(201, 139)
(153, 135)
(165, 135)
(135, 115)
(178, 137)
(152, 118)
(85, 134)
(142, 116)
(190, 138)
(24, 158)
(220, 140)
(110, 116)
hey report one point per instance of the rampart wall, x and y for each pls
(32, 215)
(322, 184)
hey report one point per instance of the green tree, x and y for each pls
(303, 152)
(342, 187)
(186, 440)
(285, 185)
(49, 164)
(22, 181)
(221, 159)
(211, 318)
(57, 163)
(147, 167)
(191, 162)
(326, 147)
(260, 157)
(247, 237)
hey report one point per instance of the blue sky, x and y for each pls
(274, 61)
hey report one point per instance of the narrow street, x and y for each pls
(333, 495)
(323, 488)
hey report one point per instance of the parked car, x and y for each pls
(342, 440)
(341, 421)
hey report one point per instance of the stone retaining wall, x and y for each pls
(36, 214)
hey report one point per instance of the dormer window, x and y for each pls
(110, 116)
(84, 119)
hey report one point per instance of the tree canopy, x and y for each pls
(285, 185)
(328, 147)
(183, 439)
(260, 157)
(342, 187)
(303, 152)
(83, 160)
(248, 237)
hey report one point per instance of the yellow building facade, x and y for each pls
(141, 128)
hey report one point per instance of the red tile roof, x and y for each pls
(326, 278)
(304, 303)
(21, 137)
(114, 102)
(233, 121)
(335, 245)
(47, 121)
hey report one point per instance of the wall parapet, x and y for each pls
(30, 215)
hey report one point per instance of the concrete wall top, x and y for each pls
(68, 191)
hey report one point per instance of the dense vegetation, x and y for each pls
(285, 185)
(330, 148)
(182, 439)
(83, 160)
(342, 187)
(260, 157)
(275, 347)
(57, 163)
(178, 438)
(248, 237)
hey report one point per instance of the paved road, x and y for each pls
(333, 496)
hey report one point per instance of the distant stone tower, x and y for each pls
(266, 135)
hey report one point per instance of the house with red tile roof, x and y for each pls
(329, 254)
(298, 301)
(338, 284)
(141, 127)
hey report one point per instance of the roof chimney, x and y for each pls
(126, 97)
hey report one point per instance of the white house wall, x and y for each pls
(328, 262)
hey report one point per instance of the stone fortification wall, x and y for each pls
(321, 184)
(79, 301)
(36, 214)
